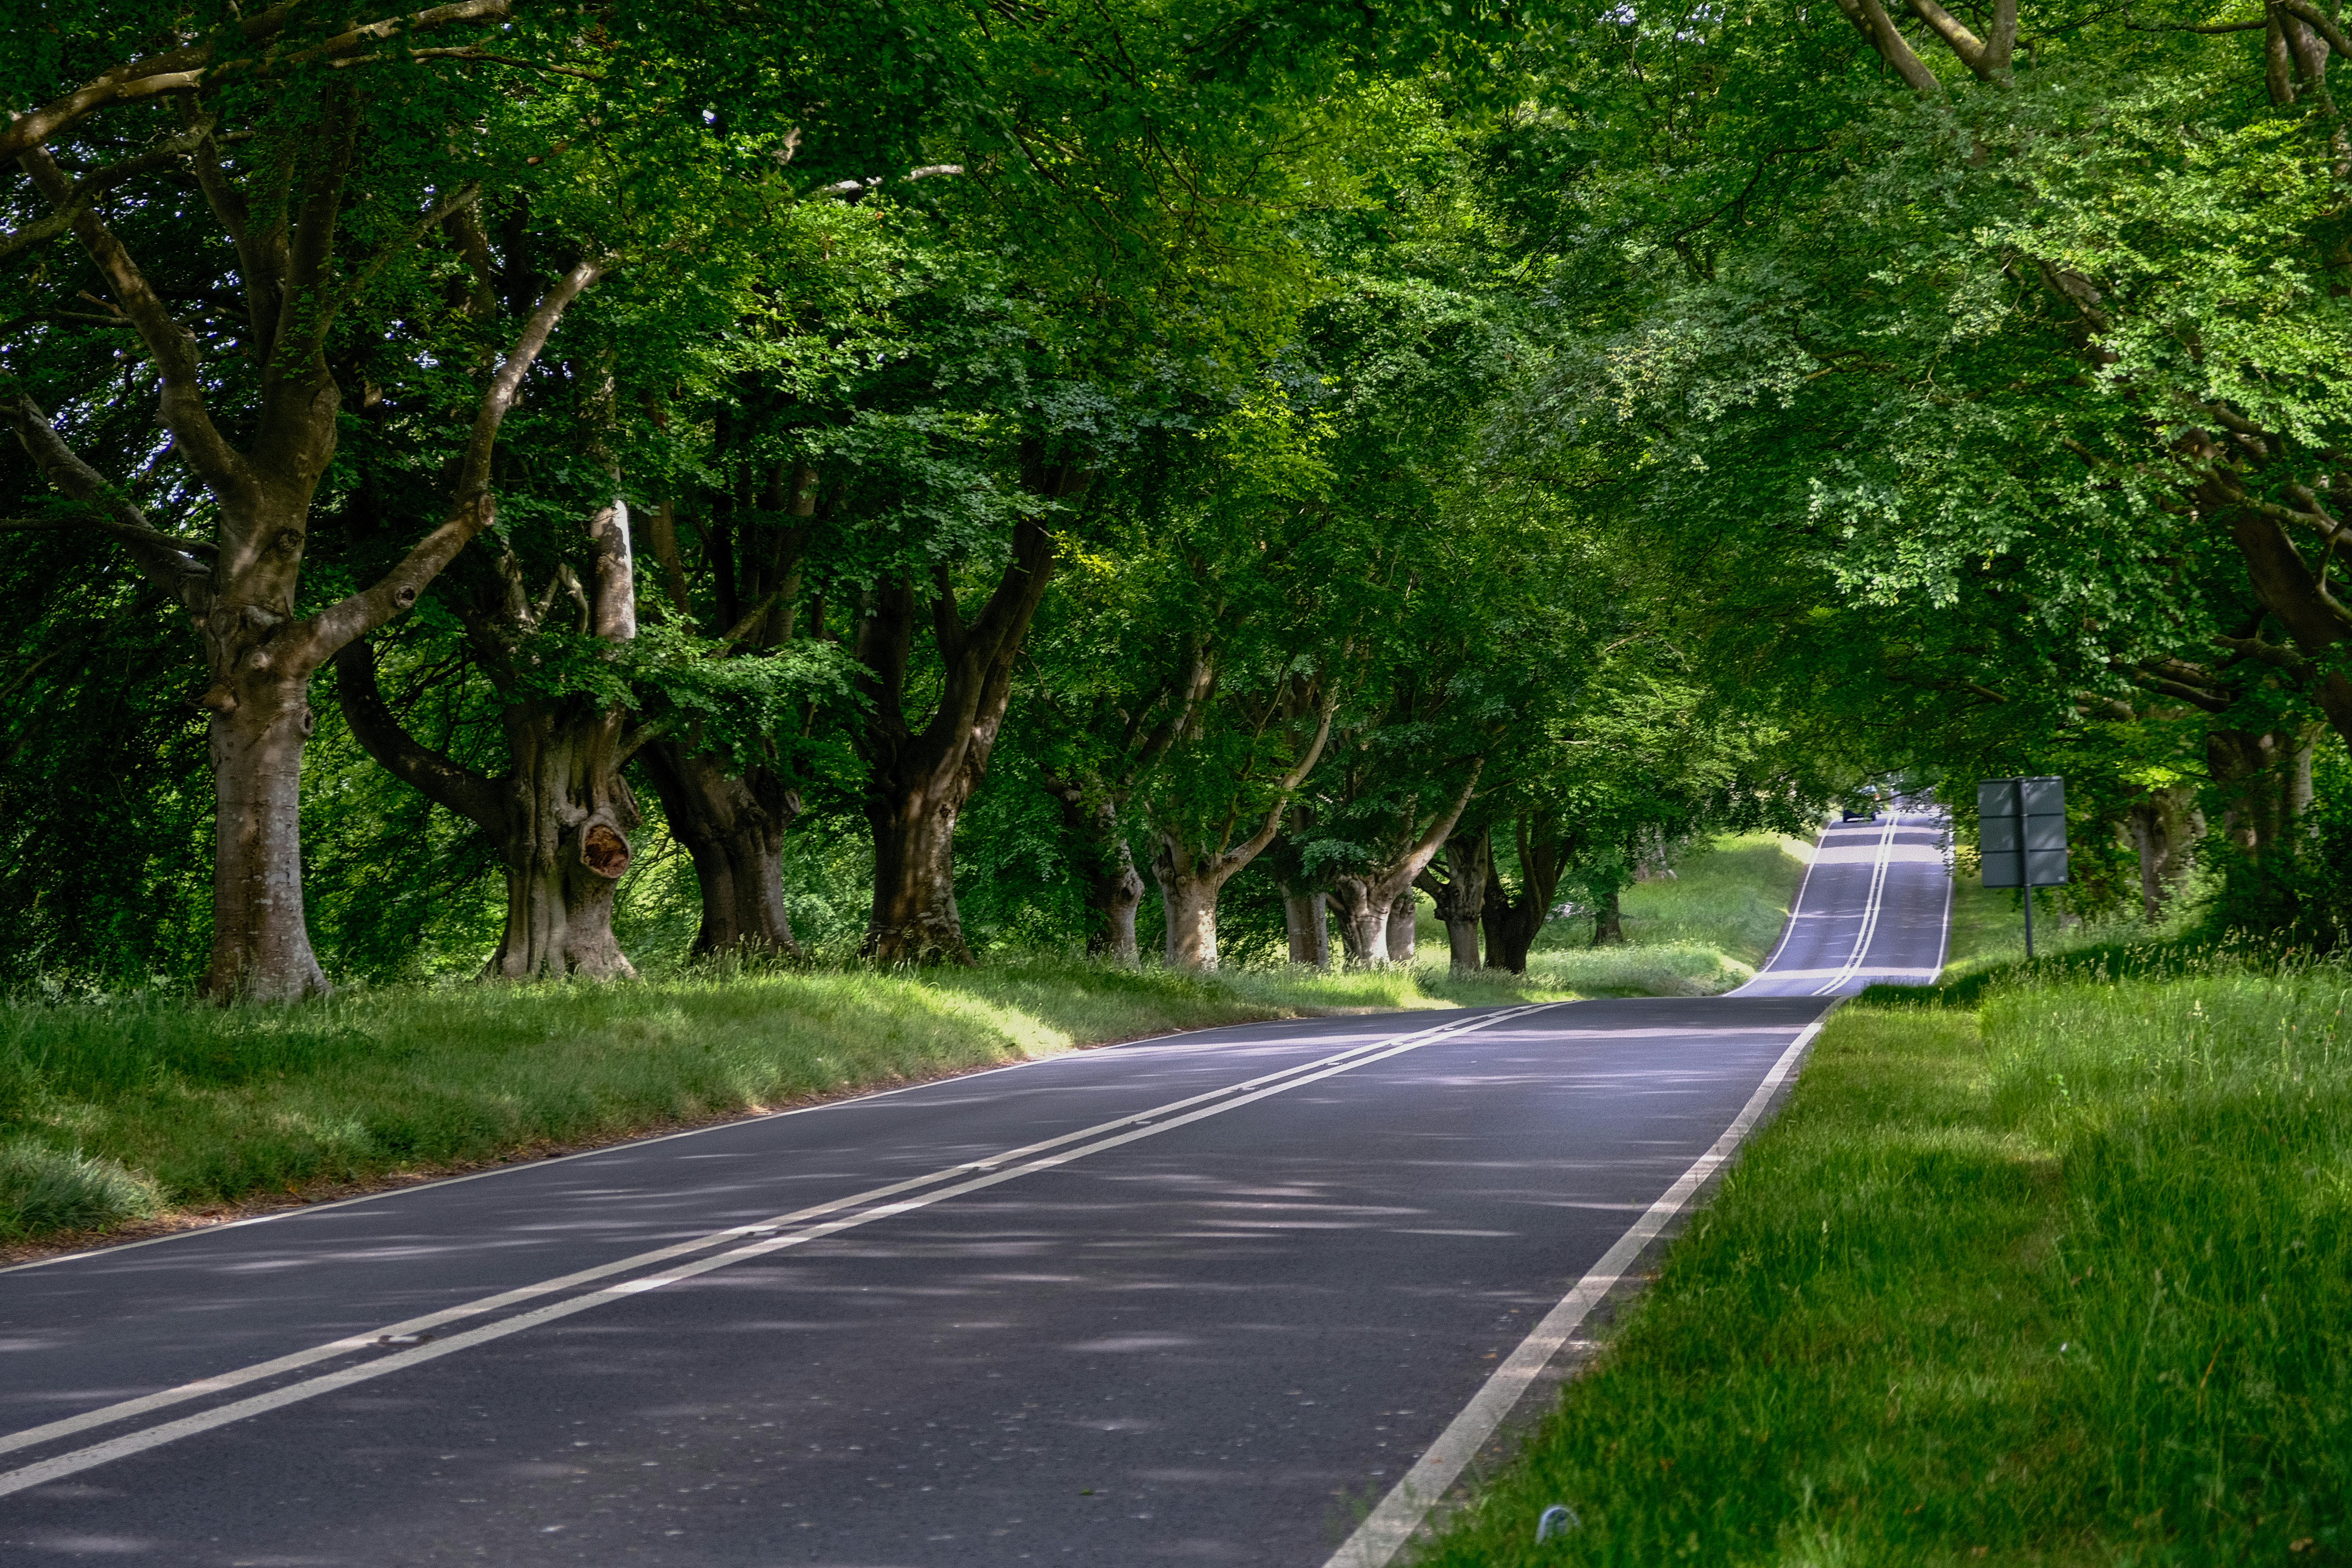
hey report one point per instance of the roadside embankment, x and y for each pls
(125, 1114)
(2051, 1270)
(157, 1110)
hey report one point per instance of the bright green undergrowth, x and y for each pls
(1704, 930)
(2061, 1277)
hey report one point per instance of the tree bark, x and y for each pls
(1607, 919)
(560, 813)
(2265, 783)
(1365, 899)
(1192, 876)
(1404, 939)
(918, 781)
(2164, 829)
(733, 828)
(563, 842)
(258, 656)
(1308, 922)
(1188, 892)
(1104, 867)
(1513, 920)
(261, 944)
(1460, 897)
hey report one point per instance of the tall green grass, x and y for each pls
(1702, 931)
(2063, 1278)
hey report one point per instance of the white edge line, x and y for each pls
(1152, 1122)
(1386, 1530)
(513, 1167)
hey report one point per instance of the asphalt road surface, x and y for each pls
(1206, 1298)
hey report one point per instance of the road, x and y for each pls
(1206, 1298)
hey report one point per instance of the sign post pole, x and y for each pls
(2025, 874)
(2022, 841)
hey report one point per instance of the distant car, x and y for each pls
(1861, 805)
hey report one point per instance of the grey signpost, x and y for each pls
(2022, 837)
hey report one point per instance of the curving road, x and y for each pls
(1249, 1295)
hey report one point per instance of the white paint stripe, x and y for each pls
(1871, 906)
(109, 1249)
(222, 1383)
(1796, 908)
(1143, 1124)
(1385, 1532)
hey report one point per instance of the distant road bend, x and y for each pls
(1249, 1295)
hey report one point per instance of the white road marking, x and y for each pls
(1871, 906)
(982, 1173)
(1386, 1530)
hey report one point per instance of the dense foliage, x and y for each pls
(515, 487)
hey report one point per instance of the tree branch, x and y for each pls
(172, 346)
(471, 508)
(189, 68)
(384, 738)
(170, 563)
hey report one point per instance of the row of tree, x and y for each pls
(1296, 454)
(757, 411)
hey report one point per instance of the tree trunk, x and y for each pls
(1404, 942)
(1363, 919)
(733, 828)
(1514, 920)
(1467, 859)
(2164, 829)
(914, 919)
(1607, 919)
(1366, 901)
(261, 945)
(564, 841)
(918, 781)
(1309, 922)
(1098, 852)
(1189, 894)
(2265, 785)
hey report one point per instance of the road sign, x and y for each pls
(2022, 837)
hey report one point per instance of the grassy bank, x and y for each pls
(118, 1109)
(2060, 1277)
(1702, 931)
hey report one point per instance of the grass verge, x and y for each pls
(112, 1109)
(2060, 1277)
(121, 1109)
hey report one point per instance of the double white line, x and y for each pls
(416, 1341)
(1870, 909)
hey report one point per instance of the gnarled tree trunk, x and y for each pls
(918, 781)
(1191, 876)
(2164, 829)
(1512, 920)
(1365, 899)
(1460, 896)
(2265, 785)
(1105, 867)
(733, 828)
(563, 839)
(1404, 940)
(560, 813)
(259, 657)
